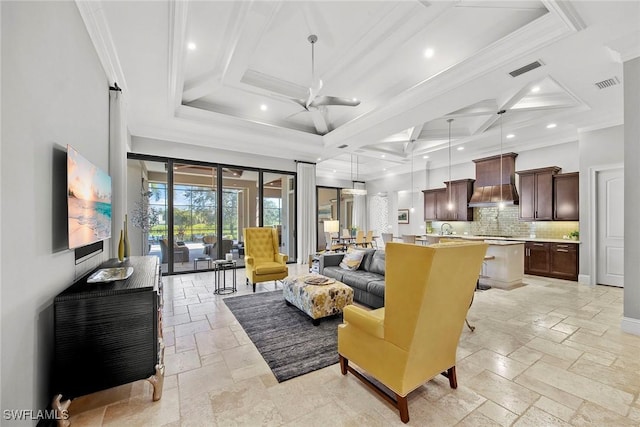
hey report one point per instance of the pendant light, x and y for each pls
(353, 190)
(450, 204)
(501, 202)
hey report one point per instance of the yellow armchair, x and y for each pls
(261, 258)
(415, 336)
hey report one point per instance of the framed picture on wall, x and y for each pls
(324, 212)
(403, 216)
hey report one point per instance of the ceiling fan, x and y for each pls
(313, 102)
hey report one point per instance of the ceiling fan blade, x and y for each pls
(313, 92)
(300, 102)
(319, 121)
(334, 100)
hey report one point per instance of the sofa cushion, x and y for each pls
(359, 279)
(376, 265)
(334, 272)
(352, 259)
(366, 260)
(376, 287)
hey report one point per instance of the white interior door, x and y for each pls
(610, 227)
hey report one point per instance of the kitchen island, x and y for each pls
(504, 266)
(506, 269)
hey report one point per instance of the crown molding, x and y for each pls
(94, 20)
(519, 46)
(627, 47)
(179, 12)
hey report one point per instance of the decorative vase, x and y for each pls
(126, 238)
(121, 247)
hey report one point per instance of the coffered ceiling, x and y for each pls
(236, 75)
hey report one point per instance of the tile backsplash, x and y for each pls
(505, 222)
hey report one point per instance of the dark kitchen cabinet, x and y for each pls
(564, 260)
(431, 203)
(436, 202)
(566, 189)
(536, 193)
(461, 191)
(559, 260)
(537, 258)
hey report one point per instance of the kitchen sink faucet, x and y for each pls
(443, 231)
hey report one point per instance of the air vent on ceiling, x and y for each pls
(608, 83)
(526, 68)
(343, 146)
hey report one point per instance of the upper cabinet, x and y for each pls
(565, 197)
(430, 204)
(436, 202)
(536, 193)
(461, 191)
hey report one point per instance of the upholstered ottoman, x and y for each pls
(317, 301)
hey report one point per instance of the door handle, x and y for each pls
(538, 244)
(563, 250)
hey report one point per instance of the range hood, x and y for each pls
(490, 187)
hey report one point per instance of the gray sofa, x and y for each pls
(367, 281)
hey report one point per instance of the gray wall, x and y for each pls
(398, 186)
(631, 199)
(54, 93)
(598, 148)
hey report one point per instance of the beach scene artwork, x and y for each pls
(89, 201)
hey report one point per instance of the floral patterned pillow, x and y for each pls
(352, 259)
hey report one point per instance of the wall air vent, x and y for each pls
(608, 83)
(526, 68)
(343, 146)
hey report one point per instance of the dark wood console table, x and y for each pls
(109, 334)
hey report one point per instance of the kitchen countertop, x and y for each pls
(498, 238)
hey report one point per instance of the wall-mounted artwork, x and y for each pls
(403, 216)
(324, 212)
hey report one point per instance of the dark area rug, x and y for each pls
(284, 335)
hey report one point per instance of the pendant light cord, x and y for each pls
(501, 112)
(449, 120)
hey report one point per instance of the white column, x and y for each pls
(117, 167)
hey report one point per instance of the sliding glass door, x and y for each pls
(278, 209)
(239, 210)
(192, 213)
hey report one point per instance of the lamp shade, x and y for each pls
(332, 226)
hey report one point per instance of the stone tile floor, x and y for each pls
(550, 353)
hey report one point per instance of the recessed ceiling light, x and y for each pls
(354, 99)
(191, 46)
(319, 158)
(334, 171)
(425, 157)
(263, 107)
(428, 53)
(551, 125)
(535, 89)
(509, 136)
(384, 169)
(382, 155)
(460, 148)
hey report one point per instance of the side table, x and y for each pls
(220, 267)
(201, 258)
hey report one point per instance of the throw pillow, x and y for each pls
(352, 259)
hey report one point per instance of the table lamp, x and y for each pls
(332, 226)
